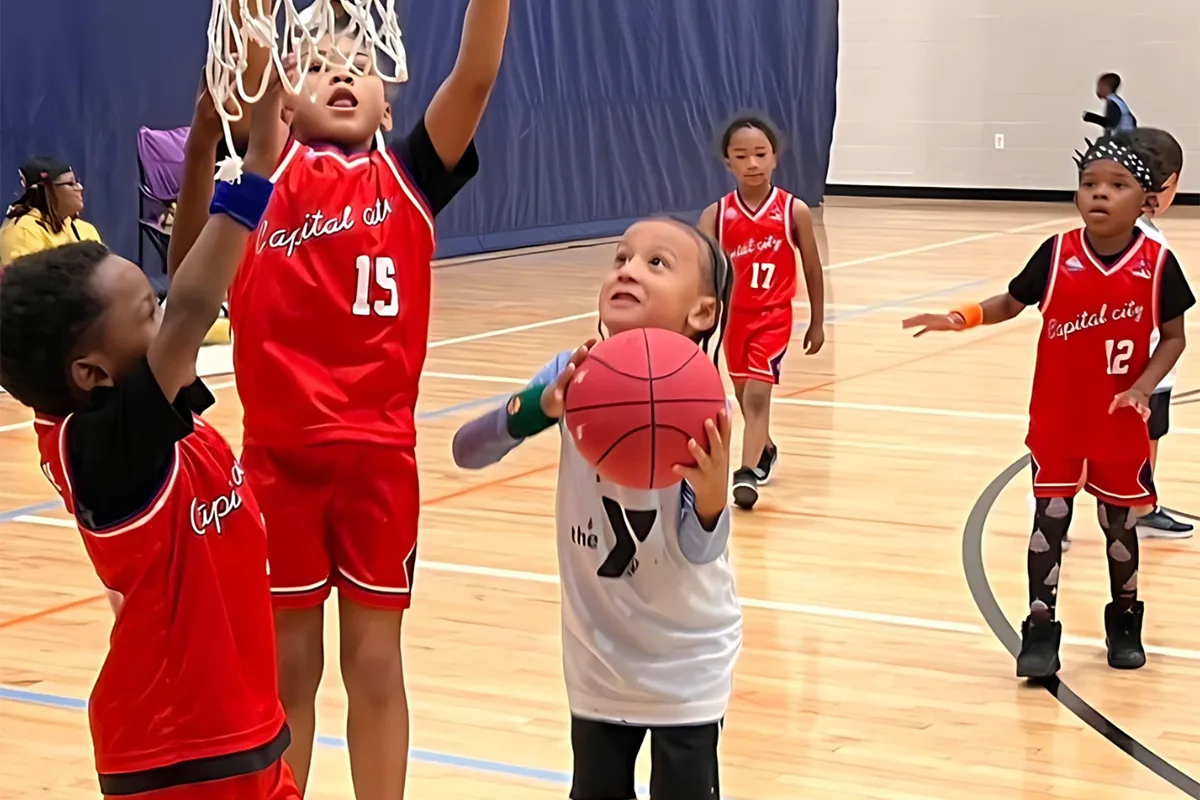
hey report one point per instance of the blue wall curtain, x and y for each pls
(606, 110)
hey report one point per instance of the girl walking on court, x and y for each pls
(768, 234)
(649, 646)
(1104, 291)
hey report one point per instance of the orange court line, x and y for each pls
(46, 612)
(52, 610)
(487, 484)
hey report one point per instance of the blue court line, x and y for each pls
(416, 755)
(467, 405)
(842, 316)
(36, 508)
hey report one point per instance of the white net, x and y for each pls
(343, 28)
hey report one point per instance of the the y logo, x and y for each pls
(626, 526)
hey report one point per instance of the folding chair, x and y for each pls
(160, 170)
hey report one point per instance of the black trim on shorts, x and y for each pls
(1160, 414)
(198, 770)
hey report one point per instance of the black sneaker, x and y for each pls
(1039, 648)
(1123, 635)
(745, 488)
(1158, 524)
(766, 462)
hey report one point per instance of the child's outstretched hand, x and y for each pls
(935, 322)
(269, 122)
(709, 479)
(1134, 398)
(555, 394)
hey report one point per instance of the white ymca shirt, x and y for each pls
(651, 623)
(1147, 226)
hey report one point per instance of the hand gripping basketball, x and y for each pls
(638, 402)
(554, 395)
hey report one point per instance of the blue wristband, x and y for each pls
(243, 202)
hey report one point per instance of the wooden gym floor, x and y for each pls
(868, 672)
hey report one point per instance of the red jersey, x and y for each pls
(330, 309)
(763, 247)
(1095, 342)
(190, 672)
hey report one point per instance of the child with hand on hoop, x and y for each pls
(330, 319)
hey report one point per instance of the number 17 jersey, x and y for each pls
(330, 309)
(763, 246)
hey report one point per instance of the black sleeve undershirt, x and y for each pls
(1029, 286)
(122, 446)
(438, 184)
(1174, 297)
(1111, 118)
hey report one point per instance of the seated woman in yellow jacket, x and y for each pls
(47, 214)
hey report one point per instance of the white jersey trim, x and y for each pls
(287, 159)
(1157, 286)
(1053, 278)
(408, 191)
(370, 587)
(1125, 259)
(762, 207)
(720, 226)
(141, 518)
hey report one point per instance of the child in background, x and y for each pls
(1117, 116)
(653, 648)
(186, 706)
(330, 319)
(1165, 155)
(1103, 291)
(768, 234)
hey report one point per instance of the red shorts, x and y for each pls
(1127, 482)
(273, 783)
(341, 514)
(755, 342)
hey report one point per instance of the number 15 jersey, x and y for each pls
(330, 309)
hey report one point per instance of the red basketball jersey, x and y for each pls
(330, 310)
(763, 247)
(190, 672)
(1095, 342)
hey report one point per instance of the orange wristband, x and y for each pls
(972, 314)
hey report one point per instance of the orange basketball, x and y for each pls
(636, 401)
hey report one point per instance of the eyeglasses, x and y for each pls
(74, 184)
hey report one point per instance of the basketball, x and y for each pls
(636, 401)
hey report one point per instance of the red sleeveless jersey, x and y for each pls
(330, 309)
(190, 672)
(1095, 342)
(763, 247)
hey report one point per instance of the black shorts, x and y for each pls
(1160, 414)
(683, 760)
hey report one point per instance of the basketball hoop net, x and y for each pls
(283, 30)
